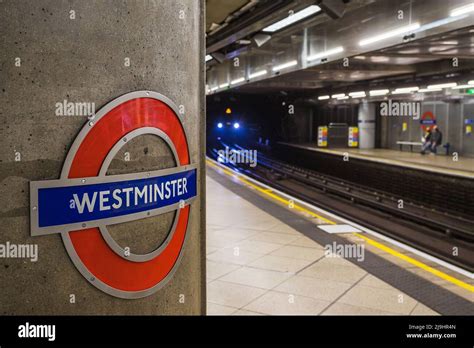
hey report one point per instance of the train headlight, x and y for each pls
(220, 125)
(236, 125)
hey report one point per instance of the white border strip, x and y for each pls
(365, 229)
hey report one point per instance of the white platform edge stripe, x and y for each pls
(339, 229)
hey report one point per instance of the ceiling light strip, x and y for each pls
(325, 54)
(285, 65)
(239, 80)
(389, 34)
(295, 17)
(257, 74)
(462, 10)
(443, 85)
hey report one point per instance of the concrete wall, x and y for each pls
(83, 59)
(298, 125)
(366, 123)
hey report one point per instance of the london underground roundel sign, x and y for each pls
(84, 201)
(428, 120)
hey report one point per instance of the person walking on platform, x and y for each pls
(433, 139)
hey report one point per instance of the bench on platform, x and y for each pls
(409, 143)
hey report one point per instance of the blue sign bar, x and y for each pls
(428, 121)
(88, 202)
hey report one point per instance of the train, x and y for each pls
(226, 125)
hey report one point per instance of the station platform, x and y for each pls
(440, 164)
(269, 254)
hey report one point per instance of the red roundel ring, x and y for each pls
(87, 248)
(427, 115)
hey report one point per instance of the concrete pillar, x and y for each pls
(366, 122)
(95, 51)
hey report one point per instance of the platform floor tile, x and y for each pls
(258, 265)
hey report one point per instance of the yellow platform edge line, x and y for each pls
(372, 242)
(417, 263)
(269, 193)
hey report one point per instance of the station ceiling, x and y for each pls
(429, 51)
(218, 10)
(420, 60)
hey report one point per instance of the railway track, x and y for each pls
(435, 190)
(438, 233)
